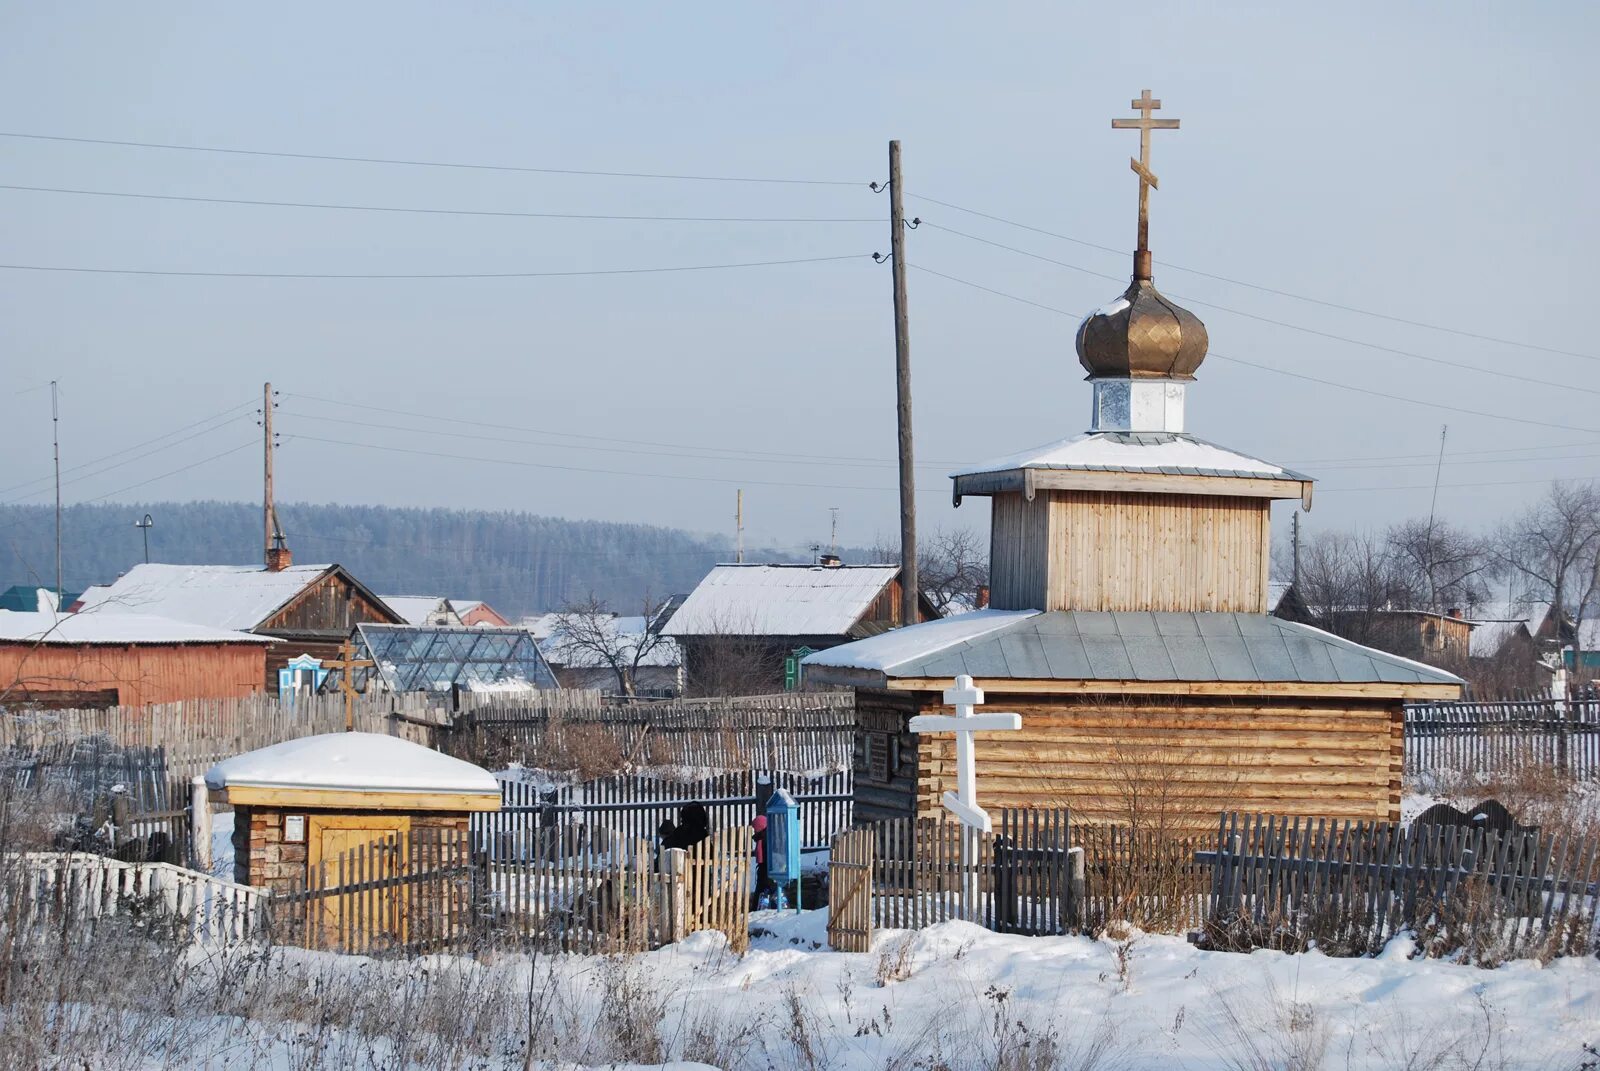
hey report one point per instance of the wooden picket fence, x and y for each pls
(535, 811)
(1350, 886)
(69, 891)
(850, 870)
(1502, 737)
(428, 890)
(784, 731)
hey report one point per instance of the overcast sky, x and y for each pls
(1433, 163)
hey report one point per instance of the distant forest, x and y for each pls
(518, 562)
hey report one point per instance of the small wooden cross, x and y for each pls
(346, 663)
(963, 802)
(1141, 167)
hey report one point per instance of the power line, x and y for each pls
(734, 453)
(1565, 386)
(429, 163)
(1272, 290)
(124, 451)
(128, 461)
(174, 472)
(605, 472)
(793, 460)
(430, 275)
(438, 211)
(1286, 372)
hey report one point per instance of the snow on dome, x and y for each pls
(360, 762)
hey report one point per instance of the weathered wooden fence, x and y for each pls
(534, 810)
(1504, 736)
(850, 870)
(785, 731)
(430, 891)
(1023, 878)
(66, 890)
(1350, 886)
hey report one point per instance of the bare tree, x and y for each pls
(588, 633)
(952, 566)
(1551, 550)
(1434, 565)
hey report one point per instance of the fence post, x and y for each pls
(200, 823)
(675, 867)
(120, 830)
(1076, 888)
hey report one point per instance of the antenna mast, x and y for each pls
(55, 436)
(738, 526)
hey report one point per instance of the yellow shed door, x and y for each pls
(370, 848)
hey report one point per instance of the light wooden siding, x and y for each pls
(1019, 553)
(142, 673)
(1113, 551)
(1334, 759)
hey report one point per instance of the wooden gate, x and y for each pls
(717, 886)
(850, 892)
(357, 850)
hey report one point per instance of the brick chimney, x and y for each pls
(831, 561)
(982, 601)
(278, 558)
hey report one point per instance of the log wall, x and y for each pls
(1115, 759)
(885, 784)
(1106, 550)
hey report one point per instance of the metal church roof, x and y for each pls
(1118, 646)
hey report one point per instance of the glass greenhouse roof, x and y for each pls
(433, 658)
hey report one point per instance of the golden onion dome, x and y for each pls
(1142, 335)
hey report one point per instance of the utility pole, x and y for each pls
(738, 526)
(833, 530)
(269, 513)
(902, 373)
(1294, 543)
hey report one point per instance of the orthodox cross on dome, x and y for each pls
(963, 802)
(1145, 105)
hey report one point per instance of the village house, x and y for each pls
(94, 661)
(424, 609)
(1128, 623)
(311, 608)
(478, 612)
(607, 648)
(744, 628)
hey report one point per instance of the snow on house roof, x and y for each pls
(362, 762)
(625, 632)
(780, 600)
(1164, 452)
(419, 609)
(108, 629)
(1589, 634)
(222, 596)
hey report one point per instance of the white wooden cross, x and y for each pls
(963, 802)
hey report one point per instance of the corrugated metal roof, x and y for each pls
(1116, 646)
(222, 596)
(111, 629)
(1170, 453)
(780, 600)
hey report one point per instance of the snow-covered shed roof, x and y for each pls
(999, 645)
(337, 769)
(223, 596)
(121, 629)
(780, 600)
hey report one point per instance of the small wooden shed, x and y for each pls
(306, 809)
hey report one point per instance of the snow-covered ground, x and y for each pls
(958, 997)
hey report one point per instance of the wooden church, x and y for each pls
(1128, 620)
